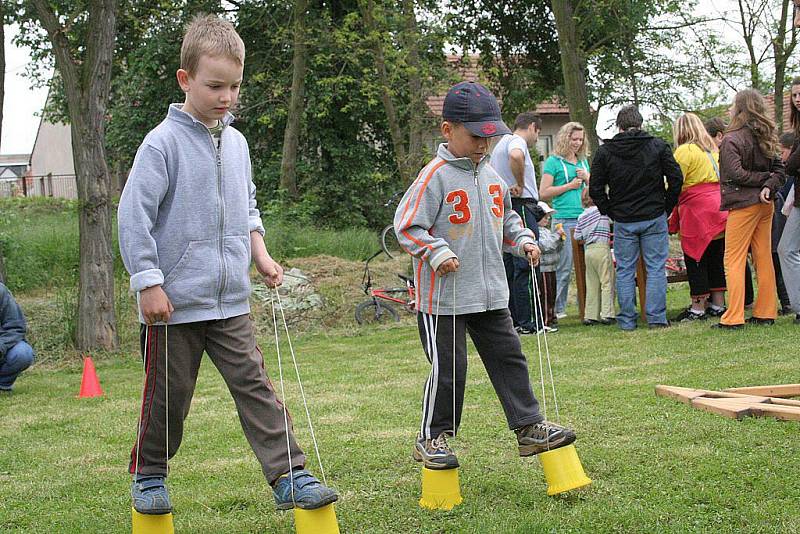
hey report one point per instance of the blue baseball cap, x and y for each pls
(473, 105)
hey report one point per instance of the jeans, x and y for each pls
(789, 254)
(18, 358)
(564, 267)
(518, 275)
(651, 239)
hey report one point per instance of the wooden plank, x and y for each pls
(722, 407)
(784, 413)
(778, 390)
(678, 393)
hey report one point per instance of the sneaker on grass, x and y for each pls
(302, 489)
(690, 315)
(543, 437)
(150, 496)
(435, 453)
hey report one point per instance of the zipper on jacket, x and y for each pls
(221, 247)
(483, 235)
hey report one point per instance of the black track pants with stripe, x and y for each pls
(499, 347)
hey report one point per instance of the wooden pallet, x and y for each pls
(737, 403)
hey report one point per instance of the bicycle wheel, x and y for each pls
(375, 311)
(389, 243)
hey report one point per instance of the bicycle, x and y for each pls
(377, 309)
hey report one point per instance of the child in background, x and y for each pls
(593, 230)
(551, 243)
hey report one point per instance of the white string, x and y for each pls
(302, 391)
(141, 410)
(538, 338)
(283, 394)
(166, 394)
(442, 282)
(454, 354)
(540, 308)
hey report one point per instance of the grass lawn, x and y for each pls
(657, 465)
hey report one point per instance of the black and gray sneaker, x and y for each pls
(435, 453)
(543, 437)
(690, 315)
(716, 311)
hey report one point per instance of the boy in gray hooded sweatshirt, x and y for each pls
(188, 229)
(456, 220)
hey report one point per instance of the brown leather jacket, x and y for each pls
(745, 170)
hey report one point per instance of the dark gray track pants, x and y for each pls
(231, 345)
(501, 352)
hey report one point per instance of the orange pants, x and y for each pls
(749, 228)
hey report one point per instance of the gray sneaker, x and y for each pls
(435, 453)
(542, 437)
(150, 496)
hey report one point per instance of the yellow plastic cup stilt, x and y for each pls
(319, 521)
(440, 489)
(151, 524)
(563, 470)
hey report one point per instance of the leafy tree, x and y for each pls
(84, 66)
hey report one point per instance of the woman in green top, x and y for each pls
(564, 176)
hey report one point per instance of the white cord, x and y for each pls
(540, 308)
(538, 337)
(302, 391)
(166, 395)
(283, 394)
(141, 411)
(454, 354)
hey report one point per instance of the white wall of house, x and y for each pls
(52, 155)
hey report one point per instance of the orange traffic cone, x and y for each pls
(90, 384)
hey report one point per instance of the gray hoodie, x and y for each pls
(185, 218)
(456, 209)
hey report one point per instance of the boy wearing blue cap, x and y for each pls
(456, 221)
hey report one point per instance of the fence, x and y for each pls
(49, 185)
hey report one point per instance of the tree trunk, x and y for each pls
(418, 109)
(291, 136)
(87, 83)
(398, 144)
(573, 64)
(782, 51)
(96, 324)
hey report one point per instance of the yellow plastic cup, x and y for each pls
(563, 470)
(319, 521)
(151, 524)
(440, 489)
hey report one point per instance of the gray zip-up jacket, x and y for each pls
(456, 209)
(185, 218)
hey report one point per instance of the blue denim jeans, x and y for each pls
(651, 239)
(18, 358)
(564, 267)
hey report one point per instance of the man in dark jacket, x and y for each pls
(15, 353)
(636, 182)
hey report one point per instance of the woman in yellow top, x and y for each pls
(698, 218)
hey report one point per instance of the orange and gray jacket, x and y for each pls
(456, 209)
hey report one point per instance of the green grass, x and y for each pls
(657, 465)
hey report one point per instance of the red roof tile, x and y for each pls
(469, 70)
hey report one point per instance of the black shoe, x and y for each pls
(690, 315)
(728, 326)
(796, 319)
(659, 325)
(718, 312)
(521, 330)
(786, 309)
(608, 320)
(590, 322)
(760, 321)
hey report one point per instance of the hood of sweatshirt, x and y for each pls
(628, 144)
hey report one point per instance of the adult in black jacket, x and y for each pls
(15, 353)
(636, 182)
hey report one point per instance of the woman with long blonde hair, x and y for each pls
(698, 218)
(564, 175)
(751, 172)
